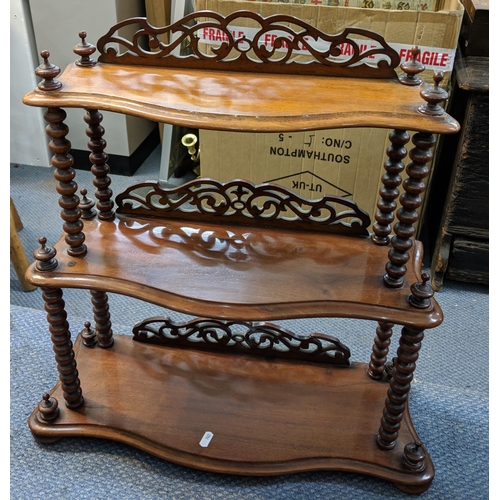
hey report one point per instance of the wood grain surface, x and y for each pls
(248, 102)
(249, 404)
(238, 272)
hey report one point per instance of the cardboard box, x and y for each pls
(435, 33)
(158, 14)
(427, 5)
(345, 162)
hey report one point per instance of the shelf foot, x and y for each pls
(413, 490)
(414, 457)
(44, 440)
(48, 409)
(45, 414)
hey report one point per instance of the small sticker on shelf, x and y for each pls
(205, 440)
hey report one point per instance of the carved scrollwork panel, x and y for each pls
(244, 337)
(242, 202)
(271, 46)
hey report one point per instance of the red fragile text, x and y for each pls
(426, 57)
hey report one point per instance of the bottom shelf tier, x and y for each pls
(266, 416)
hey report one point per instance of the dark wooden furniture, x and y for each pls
(461, 234)
(229, 391)
(474, 36)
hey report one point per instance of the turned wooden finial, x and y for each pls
(421, 293)
(84, 50)
(433, 96)
(86, 206)
(48, 72)
(414, 457)
(45, 256)
(48, 409)
(412, 68)
(88, 334)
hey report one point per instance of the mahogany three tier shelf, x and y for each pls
(229, 391)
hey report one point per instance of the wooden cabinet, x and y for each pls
(229, 391)
(461, 235)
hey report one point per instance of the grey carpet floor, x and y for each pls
(449, 400)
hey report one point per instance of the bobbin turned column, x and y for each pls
(380, 350)
(105, 204)
(63, 346)
(414, 185)
(64, 174)
(99, 168)
(399, 388)
(57, 130)
(102, 319)
(407, 215)
(389, 191)
(96, 144)
(59, 329)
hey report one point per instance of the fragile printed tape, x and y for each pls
(434, 58)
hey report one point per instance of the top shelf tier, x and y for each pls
(238, 101)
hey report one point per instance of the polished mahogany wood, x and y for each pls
(230, 255)
(48, 71)
(64, 173)
(100, 308)
(86, 205)
(241, 400)
(241, 52)
(380, 350)
(421, 155)
(252, 102)
(434, 97)
(242, 202)
(242, 337)
(389, 191)
(397, 395)
(88, 335)
(48, 409)
(239, 272)
(412, 68)
(85, 51)
(45, 256)
(63, 346)
(100, 168)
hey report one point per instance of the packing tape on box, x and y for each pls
(433, 58)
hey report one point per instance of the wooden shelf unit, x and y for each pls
(237, 256)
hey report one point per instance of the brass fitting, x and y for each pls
(189, 141)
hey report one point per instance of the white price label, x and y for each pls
(205, 440)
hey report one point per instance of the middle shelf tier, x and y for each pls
(239, 272)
